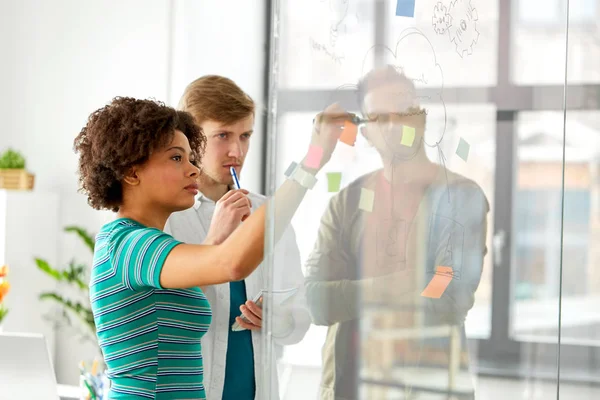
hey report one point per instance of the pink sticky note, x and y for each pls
(313, 159)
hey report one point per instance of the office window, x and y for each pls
(539, 233)
(554, 12)
(538, 42)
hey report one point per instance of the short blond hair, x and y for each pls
(217, 98)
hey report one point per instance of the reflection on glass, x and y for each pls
(538, 30)
(475, 125)
(375, 337)
(463, 34)
(323, 42)
(399, 252)
(538, 215)
(537, 236)
(394, 280)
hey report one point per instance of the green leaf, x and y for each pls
(3, 312)
(84, 235)
(81, 311)
(75, 274)
(44, 266)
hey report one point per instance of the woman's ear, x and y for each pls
(131, 177)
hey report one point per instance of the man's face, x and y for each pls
(392, 116)
(226, 146)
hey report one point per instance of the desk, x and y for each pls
(68, 392)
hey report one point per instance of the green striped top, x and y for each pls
(149, 336)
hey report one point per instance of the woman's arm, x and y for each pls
(241, 253)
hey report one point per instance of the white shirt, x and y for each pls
(289, 325)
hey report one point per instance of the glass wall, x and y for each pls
(448, 249)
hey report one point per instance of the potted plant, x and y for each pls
(4, 288)
(75, 275)
(12, 171)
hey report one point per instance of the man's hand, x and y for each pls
(231, 209)
(253, 313)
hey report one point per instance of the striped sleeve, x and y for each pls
(139, 255)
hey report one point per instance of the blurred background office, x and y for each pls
(514, 82)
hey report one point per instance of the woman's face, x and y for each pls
(169, 178)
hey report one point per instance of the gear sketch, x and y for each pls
(440, 19)
(463, 31)
(460, 21)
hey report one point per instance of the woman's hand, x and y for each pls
(231, 209)
(327, 128)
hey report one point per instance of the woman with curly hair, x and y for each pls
(139, 159)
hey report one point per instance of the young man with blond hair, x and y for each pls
(232, 359)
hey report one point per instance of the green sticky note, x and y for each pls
(366, 199)
(463, 149)
(334, 180)
(408, 136)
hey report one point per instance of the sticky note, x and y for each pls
(405, 8)
(334, 180)
(408, 136)
(313, 159)
(349, 133)
(463, 149)
(366, 199)
(438, 284)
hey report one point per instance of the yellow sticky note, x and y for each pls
(438, 284)
(366, 199)
(408, 136)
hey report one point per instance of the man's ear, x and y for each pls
(131, 177)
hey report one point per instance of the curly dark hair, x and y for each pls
(122, 134)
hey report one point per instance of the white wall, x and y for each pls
(63, 59)
(27, 230)
(225, 37)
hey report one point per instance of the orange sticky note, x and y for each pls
(438, 284)
(349, 133)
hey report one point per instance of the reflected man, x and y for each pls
(398, 257)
